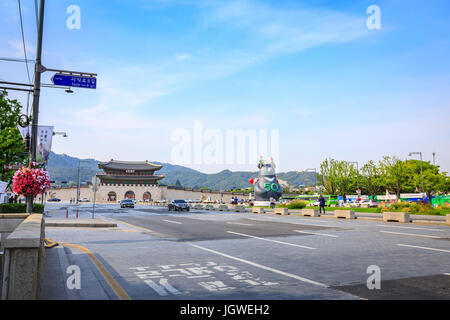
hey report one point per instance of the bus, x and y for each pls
(313, 199)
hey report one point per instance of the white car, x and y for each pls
(369, 204)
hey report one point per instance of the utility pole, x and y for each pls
(36, 95)
(434, 156)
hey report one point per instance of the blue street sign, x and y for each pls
(74, 81)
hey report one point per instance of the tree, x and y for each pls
(328, 175)
(12, 148)
(371, 179)
(346, 177)
(394, 174)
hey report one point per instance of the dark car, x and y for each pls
(54, 200)
(127, 203)
(178, 205)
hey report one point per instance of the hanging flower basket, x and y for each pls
(31, 181)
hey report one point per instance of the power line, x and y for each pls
(16, 60)
(23, 41)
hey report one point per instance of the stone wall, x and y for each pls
(157, 193)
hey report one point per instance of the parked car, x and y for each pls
(54, 200)
(84, 200)
(127, 203)
(178, 205)
(369, 204)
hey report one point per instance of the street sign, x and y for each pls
(74, 81)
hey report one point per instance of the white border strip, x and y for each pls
(318, 234)
(411, 234)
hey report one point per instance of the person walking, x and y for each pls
(321, 204)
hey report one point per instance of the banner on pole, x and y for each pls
(44, 141)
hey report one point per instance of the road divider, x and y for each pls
(402, 217)
(344, 214)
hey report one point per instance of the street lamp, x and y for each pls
(421, 166)
(63, 134)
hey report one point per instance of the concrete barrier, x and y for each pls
(223, 207)
(239, 209)
(310, 213)
(402, 217)
(198, 207)
(24, 260)
(258, 210)
(282, 211)
(344, 214)
(209, 207)
(448, 219)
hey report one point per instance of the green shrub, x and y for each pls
(297, 204)
(20, 208)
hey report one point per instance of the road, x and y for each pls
(156, 254)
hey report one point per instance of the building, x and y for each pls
(128, 180)
(139, 181)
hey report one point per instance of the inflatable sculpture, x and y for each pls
(267, 187)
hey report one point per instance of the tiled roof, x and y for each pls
(129, 165)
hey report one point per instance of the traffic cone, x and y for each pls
(67, 213)
(77, 213)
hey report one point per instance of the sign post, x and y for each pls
(95, 182)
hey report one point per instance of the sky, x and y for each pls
(310, 72)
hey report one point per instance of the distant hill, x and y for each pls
(64, 168)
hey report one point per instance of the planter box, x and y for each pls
(198, 207)
(344, 214)
(239, 209)
(448, 219)
(209, 207)
(402, 217)
(223, 208)
(257, 210)
(282, 211)
(310, 213)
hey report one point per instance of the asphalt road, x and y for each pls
(156, 254)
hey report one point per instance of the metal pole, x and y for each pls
(36, 94)
(95, 196)
(78, 185)
(421, 170)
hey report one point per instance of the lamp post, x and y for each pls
(421, 166)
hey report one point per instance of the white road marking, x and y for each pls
(425, 248)
(318, 234)
(317, 225)
(411, 234)
(286, 274)
(241, 224)
(170, 221)
(280, 242)
(447, 274)
(385, 226)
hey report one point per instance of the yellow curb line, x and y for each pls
(49, 243)
(121, 294)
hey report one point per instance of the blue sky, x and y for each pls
(310, 69)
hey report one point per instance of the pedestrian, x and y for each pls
(321, 204)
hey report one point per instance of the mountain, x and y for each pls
(64, 168)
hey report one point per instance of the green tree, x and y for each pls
(345, 178)
(394, 174)
(12, 148)
(328, 174)
(370, 178)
